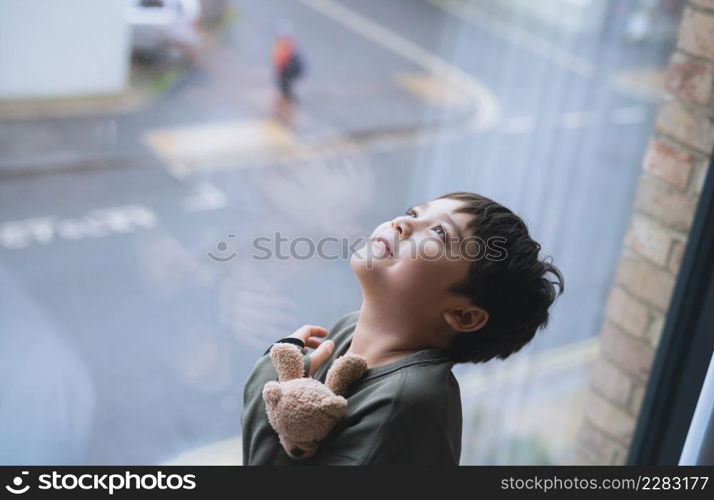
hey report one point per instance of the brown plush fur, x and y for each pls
(302, 410)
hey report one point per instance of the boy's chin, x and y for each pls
(360, 265)
(369, 274)
(364, 262)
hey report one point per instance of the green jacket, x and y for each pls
(407, 412)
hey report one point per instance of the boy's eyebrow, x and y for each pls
(423, 206)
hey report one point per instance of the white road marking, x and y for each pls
(97, 223)
(18, 234)
(574, 119)
(487, 105)
(629, 115)
(527, 41)
(207, 197)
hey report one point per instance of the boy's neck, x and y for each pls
(381, 338)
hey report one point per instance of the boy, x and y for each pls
(454, 280)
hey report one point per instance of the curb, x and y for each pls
(31, 109)
(70, 164)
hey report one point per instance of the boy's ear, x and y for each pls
(466, 319)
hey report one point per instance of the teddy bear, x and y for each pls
(303, 410)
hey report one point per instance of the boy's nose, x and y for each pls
(401, 226)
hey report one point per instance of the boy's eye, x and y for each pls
(441, 232)
(438, 229)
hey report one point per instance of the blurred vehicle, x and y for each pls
(213, 12)
(165, 27)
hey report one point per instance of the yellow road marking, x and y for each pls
(198, 147)
(643, 83)
(432, 89)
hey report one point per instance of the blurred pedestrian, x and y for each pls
(288, 65)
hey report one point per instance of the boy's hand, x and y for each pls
(313, 336)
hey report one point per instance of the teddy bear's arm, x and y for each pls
(344, 371)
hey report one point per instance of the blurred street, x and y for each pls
(126, 343)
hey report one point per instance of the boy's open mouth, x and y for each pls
(382, 246)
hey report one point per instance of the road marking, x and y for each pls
(629, 115)
(643, 83)
(225, 452)
(18, 234)
(527, 41)
(432, 90)
(200, 147)
(97, 223)
(207, 197)
(488, 109)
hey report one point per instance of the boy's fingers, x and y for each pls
(305, 332)
(320, 355)
(313, 342)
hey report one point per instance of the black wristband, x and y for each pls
(288, 340)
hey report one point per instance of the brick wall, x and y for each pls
(673, 171)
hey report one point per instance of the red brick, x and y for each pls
(626, 312)
(692, 127)
(654, 331)
(596, 448)
(631, 356)
(669, 163)
(696, 33)
(649, 239)
(675, 259)
(611, 420)
(690, 78)
(635, 404)
(610, 381)
(672, 208)
(700, 175)
(646, 281)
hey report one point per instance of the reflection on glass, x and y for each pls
(146, 150)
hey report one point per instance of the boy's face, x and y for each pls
(413, 260)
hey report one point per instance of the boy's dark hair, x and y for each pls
(515, 290)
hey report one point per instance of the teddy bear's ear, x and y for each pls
(287, 360)
(334, 406)
(344, 371)
(272, 393)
